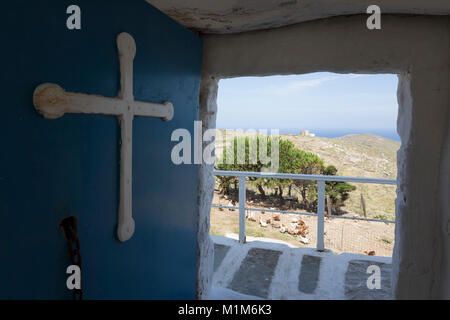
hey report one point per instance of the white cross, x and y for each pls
(53, 102)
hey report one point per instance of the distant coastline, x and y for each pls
(335, 133)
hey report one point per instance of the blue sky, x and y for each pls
(327, 104)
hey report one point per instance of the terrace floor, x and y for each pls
(270, 269)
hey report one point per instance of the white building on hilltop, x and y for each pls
(306, 133)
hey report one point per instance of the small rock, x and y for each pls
(262, 223)
(303, 239)
(276, 225)
(276, 217)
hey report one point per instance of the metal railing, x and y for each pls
(321, 179)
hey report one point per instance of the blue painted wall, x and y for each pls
(50, 169)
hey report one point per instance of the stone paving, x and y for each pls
(267, 270)
(220, 251)
(309, 274)
(256, 272)
(356, 281)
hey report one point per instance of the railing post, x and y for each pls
(320, 215)
(242, 202)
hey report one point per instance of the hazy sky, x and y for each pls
(318, 102)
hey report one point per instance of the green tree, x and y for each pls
(251, 162)
(309, 163)
(291, 160)
(288, 162)
(337, 191)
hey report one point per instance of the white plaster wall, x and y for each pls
(205, 267)
(416, 48)
(232, 16)
(445, 205)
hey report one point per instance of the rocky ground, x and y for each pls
(341, 235)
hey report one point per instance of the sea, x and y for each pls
(390, 134)
(335, 133)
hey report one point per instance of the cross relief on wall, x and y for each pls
(53, 102)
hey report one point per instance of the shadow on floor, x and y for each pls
(268, 270)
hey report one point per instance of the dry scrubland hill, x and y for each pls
(362, 155)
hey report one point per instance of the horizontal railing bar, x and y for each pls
(304, 213)
(224, 207)
(358, 218)
(266, 210)
(281, 211)
(312, 177)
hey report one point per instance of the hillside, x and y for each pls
(363, 155)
